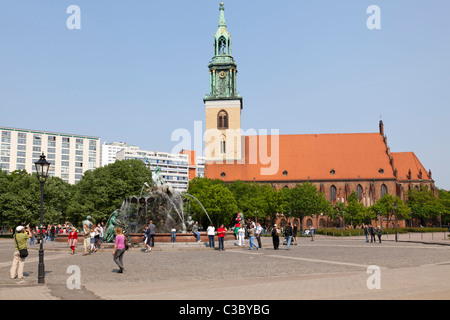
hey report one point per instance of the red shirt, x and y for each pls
(221, 232)
(73, 235)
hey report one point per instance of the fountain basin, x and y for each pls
(159, 237)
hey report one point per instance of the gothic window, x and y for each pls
(222, 120)
(383, 190)
(333, 194)
(359, 191)
(222, 46)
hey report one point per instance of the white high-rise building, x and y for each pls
(174, 166)
(70, 155)
(109, 151)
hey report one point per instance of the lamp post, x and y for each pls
(395, 212)
(42, 166)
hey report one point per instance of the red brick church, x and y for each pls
(337, 164)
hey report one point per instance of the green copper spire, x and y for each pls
(222, 68)
(222, 22)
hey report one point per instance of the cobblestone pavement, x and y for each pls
(327, 268)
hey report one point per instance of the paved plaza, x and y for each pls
(416, 267)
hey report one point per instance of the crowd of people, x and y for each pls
(93, 238)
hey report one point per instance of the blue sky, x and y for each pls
(137, 69)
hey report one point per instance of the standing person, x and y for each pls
(73, 239)
(52, 233)
(379, 233)
(221, 236)
(47, 234)
(92, 239)
(258, 230)
(147, 238)
(87, 224)
(211, 233)
(372, 233)
(295, 232)
(313, 232)
(173, 235)
(275, 237)
(151, 233)
(241, 235)
(100, 228)
(251, 236)
(20, 243)
(288, 235)
(32, 236)
(195, 231)
(97, 237)
(119, 249)
(366, 232)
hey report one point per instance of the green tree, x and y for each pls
(425, 206)
(216, 198)
(384, 207)
(104, 189)
(356, 212)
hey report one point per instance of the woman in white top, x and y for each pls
(211, 232)
(241, 235)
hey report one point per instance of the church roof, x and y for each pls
(315, 157)
(409, 167)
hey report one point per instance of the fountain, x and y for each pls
(159, 203)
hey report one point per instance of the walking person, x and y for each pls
(20, 243)
(92, 239)
(119, 249)
(221, 236)
(241, 235)
(73, 239)
(288, 235)
(294, 234)
(211, 231)
(275, 237)
(251, 235)
(47, 234)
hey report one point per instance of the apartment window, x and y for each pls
(6, 134)
(20, 160)
(65, 151)
(79, 164)
(22, 135)
(6, 139)
(80, 141)
(51, 150)
(52, 138)
(63, 157)
(66, 145)
(64, 170)
(64, 139)
(79, 152)
(64, 176)
(52, 144)
(21, 154)
(20, 167)
(37, 149)
(4, 159)
(51, 156)
(21, 141)
(6, 146)
(21, 147)
(64, 163)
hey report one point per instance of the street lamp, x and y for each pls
(42, 166)
(395, 212)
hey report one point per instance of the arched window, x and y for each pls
(359, 192)
(383, 190)
(223, 149)
(333, 194)
(222, 120)
(222, 46)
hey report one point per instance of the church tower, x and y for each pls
(223, 104)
